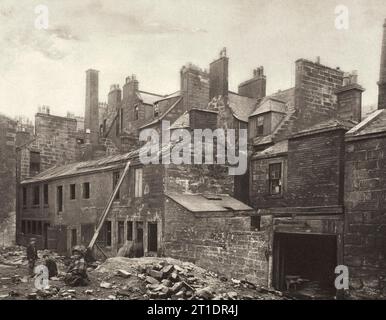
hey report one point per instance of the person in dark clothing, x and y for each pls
(32, 256)
(77, 272)
(51, 265)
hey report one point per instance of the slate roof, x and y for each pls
(149, 98)
(280, 147)
(373, 124)
(241, 106)
(326, 126)
(182, 122)
(270, 104)
(208, 202)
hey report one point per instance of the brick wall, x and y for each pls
(365, 223)
(7, 180)
(315, 87)
(312, 173)
(220, 243)
(315, 169)
(55, 140)
(194, 87)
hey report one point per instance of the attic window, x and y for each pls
(260, 126)
(136, 113)
(156, 110)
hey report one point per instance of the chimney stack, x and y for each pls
(350, 98)
(382, 73)
(218, 76)
(130, 87)
(91, 118)
(255, 87)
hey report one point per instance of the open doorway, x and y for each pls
(152, 233)
(139, 243)
(304, 264)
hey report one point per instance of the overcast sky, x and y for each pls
(153, 39)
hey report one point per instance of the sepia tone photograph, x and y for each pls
(203, 150)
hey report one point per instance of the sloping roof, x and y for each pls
(374, 123)
(276, 149)
(149, 98)
(327, 125)
(163, 115)
(82, 167)
(208, 202)
(241, 106)
(270, 104)
(182, 122)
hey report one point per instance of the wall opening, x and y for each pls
(152, 237)
(304, 264)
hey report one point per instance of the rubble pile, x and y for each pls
(166, 278)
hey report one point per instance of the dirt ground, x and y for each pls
(127, 279)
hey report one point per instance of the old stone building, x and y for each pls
(313, 196)
(7, 181)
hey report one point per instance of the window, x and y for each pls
(72, 191)
(260, 126)
(136, 113)
(255, 223)
(275, 181)
(28, 230)
(121, 232)
(130, 230)
(138, 183)
(156, 110)
(39, 229)
(104, 237)
(24, 197)
(23, 227)
(33, 231)
(59, 198)
(34, 163)
(45, 194)
(86, 190)
(36, 196)
(116, 175)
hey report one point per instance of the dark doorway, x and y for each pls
(45, 235)
(74, 237)
(305, 263)
(152, 237)
(139, 243)
(86, 233)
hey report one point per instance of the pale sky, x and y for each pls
(154, 38)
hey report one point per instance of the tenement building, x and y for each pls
(312, 197)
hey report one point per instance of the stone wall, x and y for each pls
(220, 242)
(365, 222)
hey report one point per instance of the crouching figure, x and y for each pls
(77, 272)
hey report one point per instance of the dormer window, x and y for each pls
(156, 110)
(136, 115)
(260, 126)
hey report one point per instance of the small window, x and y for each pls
(33, 231)
(104, 237)
(116, 176)
(45, 194)
(24, 197)
(86, 190)
(121, 232)
(59, 198)
(138, 183)
(275, 179)
(23, 227)
(156, 110)
(136, 113)
(255, 223)
(39, 229)
(260, 126)
(72, 192)
(34, 164)
(130, 230)
(36, 196)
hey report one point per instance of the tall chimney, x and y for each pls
(382, 74)
(91, 117)
(255, 87)
(218, 76)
